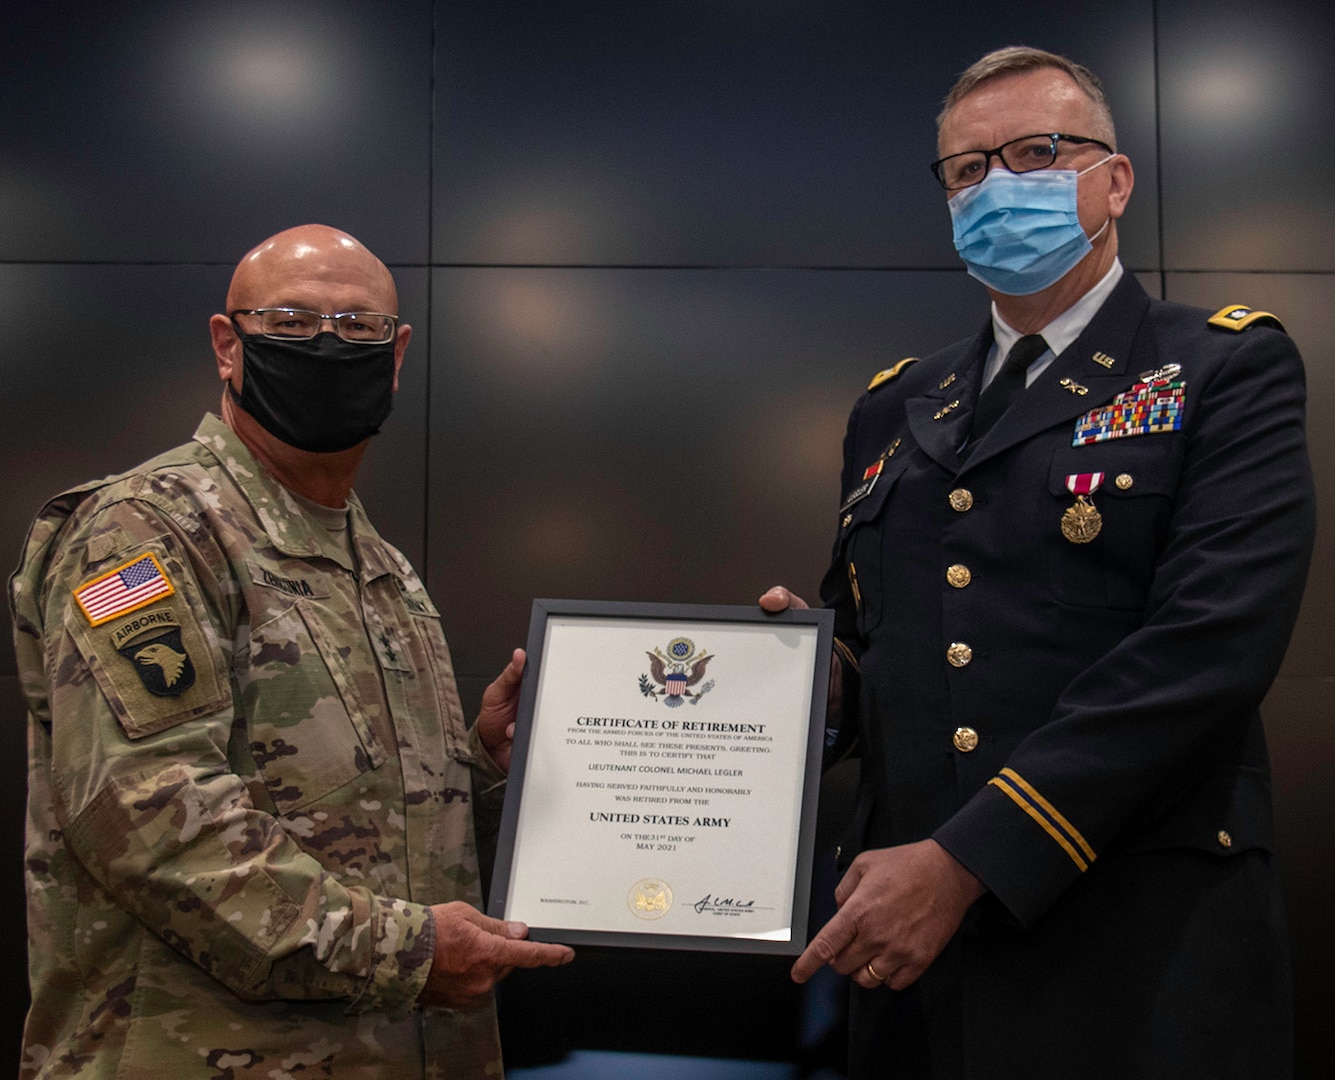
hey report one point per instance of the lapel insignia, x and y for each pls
(946, 410)
(1082, 522)
(1075, 387)
(1103, 359)
(1150, 406)
(946, 381)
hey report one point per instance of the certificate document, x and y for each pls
(664, 778)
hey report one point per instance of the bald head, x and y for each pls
(313, 267)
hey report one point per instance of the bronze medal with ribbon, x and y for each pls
(1082, 521)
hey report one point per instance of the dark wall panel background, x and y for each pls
(166, 131)
(747, 133)
(652, 254)
(649, 434)
(1247, 102)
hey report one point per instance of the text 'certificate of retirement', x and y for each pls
(664, 778)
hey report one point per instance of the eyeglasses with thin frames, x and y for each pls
(286, 324)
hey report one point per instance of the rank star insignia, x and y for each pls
(162, 663)
(674, 672)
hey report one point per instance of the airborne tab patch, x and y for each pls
(142, 624)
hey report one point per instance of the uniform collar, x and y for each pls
(1061, 332)
(290, 527)
(1092, 369)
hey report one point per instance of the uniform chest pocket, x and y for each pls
(431, 656)
(1105, 545)
(862, 545)
(309, 731)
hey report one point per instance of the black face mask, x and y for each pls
(321, 394)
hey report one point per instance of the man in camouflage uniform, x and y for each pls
(251, 840)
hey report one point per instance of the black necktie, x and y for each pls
(1006, 384)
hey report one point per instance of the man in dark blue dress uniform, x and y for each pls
(1069, 555)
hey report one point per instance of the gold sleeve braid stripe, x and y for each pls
(848, 656)
(1042, 811)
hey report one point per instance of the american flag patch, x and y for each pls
(127, 588)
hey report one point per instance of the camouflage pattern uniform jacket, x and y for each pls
(249, 774)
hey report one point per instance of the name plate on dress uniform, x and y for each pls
(664, 777)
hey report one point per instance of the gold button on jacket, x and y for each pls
(965, 739)
(959, 654)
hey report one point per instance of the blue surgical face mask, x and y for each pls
(1018, 233)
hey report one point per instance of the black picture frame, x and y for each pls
(684, 617)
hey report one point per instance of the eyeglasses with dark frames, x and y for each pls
(1022, 155)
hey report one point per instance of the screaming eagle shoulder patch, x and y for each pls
(160, 659)
(139, 632)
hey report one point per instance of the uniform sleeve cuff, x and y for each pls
(404, 947)
(488, 777)
(1009, 838)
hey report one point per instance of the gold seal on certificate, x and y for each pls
(664, 776)
(650, 898)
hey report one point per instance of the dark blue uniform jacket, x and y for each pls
(1065, 717)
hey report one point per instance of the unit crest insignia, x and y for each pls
(673, 673)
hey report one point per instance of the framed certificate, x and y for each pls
(665, 774)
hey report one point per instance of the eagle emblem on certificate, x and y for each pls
(649, 898)
(673, 671)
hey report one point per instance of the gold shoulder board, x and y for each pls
(889, 373)
(1237, 317)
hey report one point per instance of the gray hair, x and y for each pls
(1016, 59)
